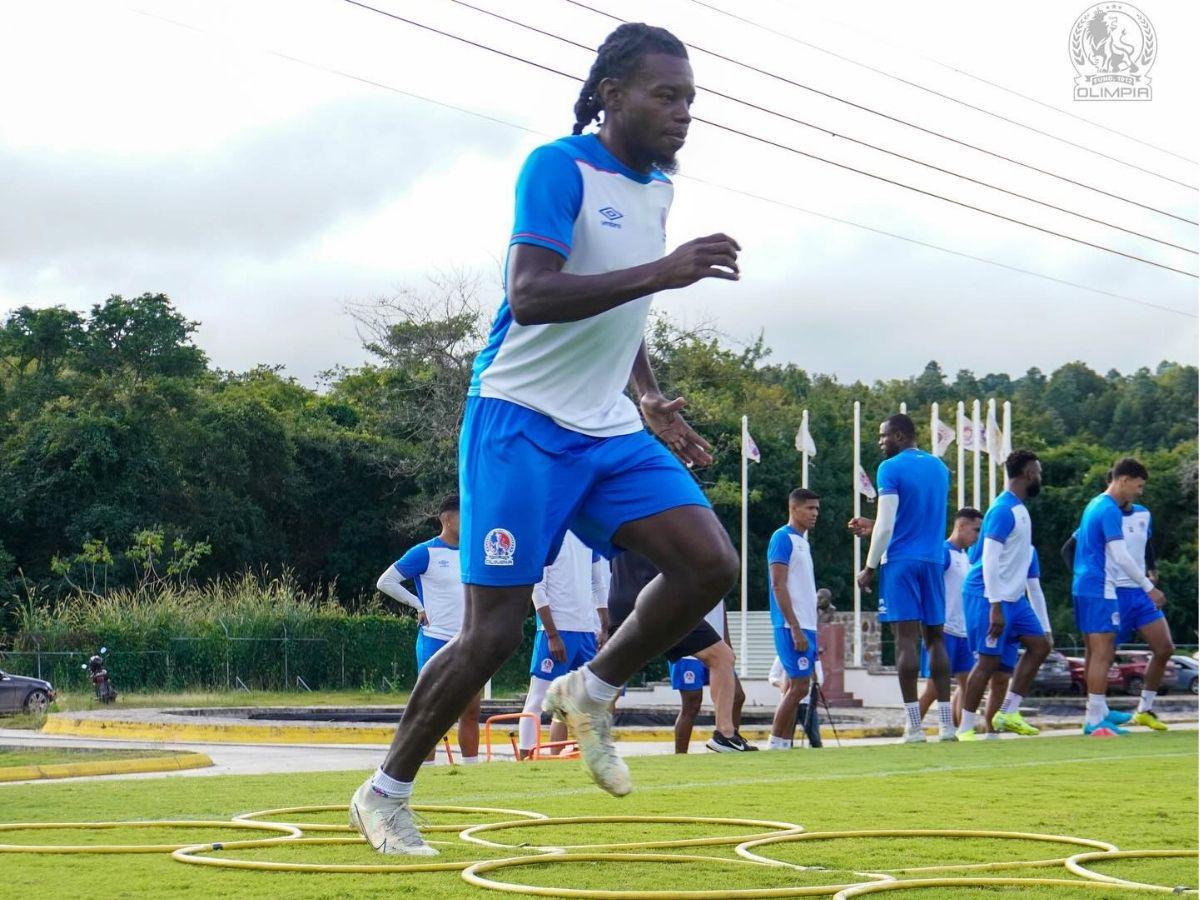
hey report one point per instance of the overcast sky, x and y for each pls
(265, 196)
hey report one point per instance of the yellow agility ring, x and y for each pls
(417, 807)
(472, 875)
(860, 890)
(1074, 864)
(744, 850)
(290, 832)
(191, 855)
(470, 834)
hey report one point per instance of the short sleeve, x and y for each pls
(549, 194)
(885, 478)
(999, 523)
(1112, 523)
(1035, 568)
(946, 559)
(780, 548)
(415, 562)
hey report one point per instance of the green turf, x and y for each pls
(1138, 793)
(48, 756)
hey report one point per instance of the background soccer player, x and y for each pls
(909, 530)
(689, 676)
(998, 612)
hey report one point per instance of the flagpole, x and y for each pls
(991, 459)
(933, 427)
(1008, 423)
(804, 453)
(975, 443)
(745, 638)
(858, 648)
(962, 455)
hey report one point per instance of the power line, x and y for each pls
(787, 147)
(862, 143)
(905, 122)
(937, 93)
(1016, 93)
(771, 200)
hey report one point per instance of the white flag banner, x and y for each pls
(1005, 444)
(943, 437)
(749, 448)
(968, 433)
(864, 484)
(993, 438)
(804, 441)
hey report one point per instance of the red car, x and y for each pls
(1079, 684)
(1132, 666)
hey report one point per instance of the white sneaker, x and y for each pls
(913, 736)
(386, 823)
(947, 734)
(590, 722)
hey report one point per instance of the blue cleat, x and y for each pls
(1116, 717)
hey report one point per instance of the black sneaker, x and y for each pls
(718, 743)
(746, 745)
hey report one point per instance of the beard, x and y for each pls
(1033, 490)
(668, 164)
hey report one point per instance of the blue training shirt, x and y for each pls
(922, 482)
(1006, 522)
(433, 567)
(1102, 522)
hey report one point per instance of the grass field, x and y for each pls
(49, 756)
(1138, 792)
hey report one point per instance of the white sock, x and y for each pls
(390, 787)
(1097, 709)
(528, 728)
(1012, 703)
(778, 743)
(914, 715)
(598, 689)
(1147, 701)
(968, 721)
(468, 760)
(945, 716)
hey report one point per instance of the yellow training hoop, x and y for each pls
(417, 807)
(1074, 865)
(290, 832)
(470, 834)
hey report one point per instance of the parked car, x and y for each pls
(1054, 677)
(1079, 683)
(19, 693)
(1187, 677)
(1133, 663)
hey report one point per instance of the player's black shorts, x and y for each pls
(630, 574)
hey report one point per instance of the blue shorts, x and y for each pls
(581, 648)
(524, 480)
(1137, 610)
(1097, 615)
(912, 590)
(1019, 621)
(796, 665)
(426, 647)
(689, 674)
(962, 660)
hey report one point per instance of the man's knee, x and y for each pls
(715, 569)
(690, 703)
(717, 656)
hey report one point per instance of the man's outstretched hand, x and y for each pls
(663, 419)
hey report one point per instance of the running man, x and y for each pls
(433, 567)
(549, 439)
(908, 530)
(1102, 553)
(690, 676)
(998, 612)
(571, 602)
(954, 633)
(793, 601)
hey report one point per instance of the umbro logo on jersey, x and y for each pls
(610, 217)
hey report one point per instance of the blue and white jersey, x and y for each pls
(921, 481)
(574, 586)
(1137, 528)
(433, 567)
(1100, 524)
(789, 547)
(1007, 523)
(577, 199)
(957, 566)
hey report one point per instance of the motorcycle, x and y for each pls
(105, 692)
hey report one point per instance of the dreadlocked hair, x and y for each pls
(618, 57)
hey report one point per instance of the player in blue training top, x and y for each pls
(1101, 554)
(549, 440)
(998, 612)
(908, 546)
(433, 567)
